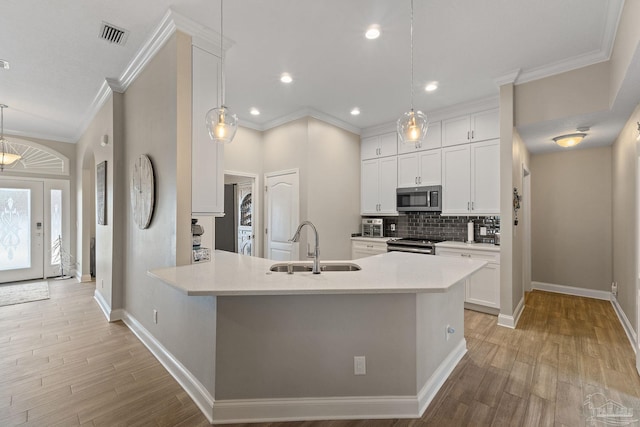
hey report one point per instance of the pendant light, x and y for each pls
(413, 125)
(221, 123)
(8, 155)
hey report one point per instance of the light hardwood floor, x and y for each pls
(62, 364)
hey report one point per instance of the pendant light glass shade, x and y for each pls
(412, 125)
(221, 123)
(8, 156)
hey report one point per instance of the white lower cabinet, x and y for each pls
(483, 287)
(367, 247)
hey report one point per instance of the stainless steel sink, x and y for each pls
(284, 267)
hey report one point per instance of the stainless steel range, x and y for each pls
(420, 245)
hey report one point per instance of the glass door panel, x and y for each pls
(21, 230)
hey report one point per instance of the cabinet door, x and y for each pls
(485, 125)
(456, 131)
(388, 184)
(388, 144)
(369, 187)
(430, 167)
(456, 173)
(408, 170)
(483, 287)
(431, 141)
(207, 161)
(369, 147)
(485, 177)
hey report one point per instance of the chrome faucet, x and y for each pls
(316, 253)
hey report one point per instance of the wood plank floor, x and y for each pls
(62, 364)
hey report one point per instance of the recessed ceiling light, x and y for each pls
(355, 111)
(4, 64)
(286, 78)
(373, 32)
(431, 86)
(255, 112)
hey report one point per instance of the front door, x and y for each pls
(21, 230)
(282, 215)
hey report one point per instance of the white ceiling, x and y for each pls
(58, 64)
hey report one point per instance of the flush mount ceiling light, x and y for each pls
(373, 32)
(9, 154)
(569, 140)
(413, 125)
(431, 86)
(255, 112)
(286, 78)
(355, 112)
(221, 123)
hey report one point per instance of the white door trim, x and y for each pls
(257, 214)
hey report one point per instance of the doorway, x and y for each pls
(282, 214)
(236, 230)
(526, 226)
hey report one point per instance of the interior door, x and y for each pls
(21, 230)
(282, 215)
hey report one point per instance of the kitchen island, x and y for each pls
(286, 344)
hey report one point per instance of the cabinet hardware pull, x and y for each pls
(468, 136)
(466, 255)
(468, 208)
(472, 132)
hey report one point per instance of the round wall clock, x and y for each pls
(142, 191)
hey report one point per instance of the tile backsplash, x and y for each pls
(433, 225)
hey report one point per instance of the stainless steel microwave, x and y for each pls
(419, 199)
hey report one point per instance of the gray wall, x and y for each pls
(571, 218)
(625, 219)
(154, 127)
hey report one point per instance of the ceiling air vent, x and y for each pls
(113, 34)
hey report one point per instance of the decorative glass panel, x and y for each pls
(56, 226)
(15, 230)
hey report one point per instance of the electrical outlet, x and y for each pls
(359, 365)
(155, 316)
(614, 288)
(483, 231)
(393, 227)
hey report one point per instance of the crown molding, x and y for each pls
(509, 78)
(563, 66)
(11, 135)
(310, 112)
(171, 22)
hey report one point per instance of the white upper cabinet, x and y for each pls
(485, 177)
(379, 178)
(431, 141)
(471, 179)
(207, 157)
(476, 127)
(421, 168)
(379, 146)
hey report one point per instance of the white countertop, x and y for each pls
(392, 272)
(462, 245)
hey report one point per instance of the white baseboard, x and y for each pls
(111, 315)
(626, 325)
(571, 290)
(512, 321)
(186, 379)
(433, 384)
(83, 277)
(338, 408)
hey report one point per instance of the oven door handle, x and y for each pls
(412, 250)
